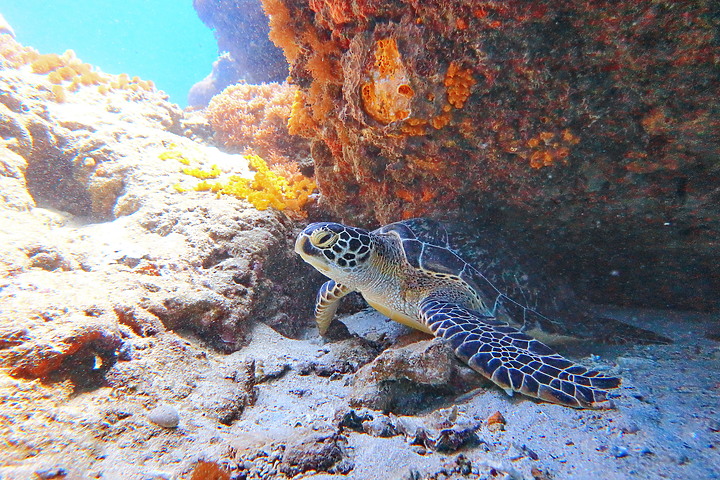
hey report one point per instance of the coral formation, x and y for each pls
(265, 189)
(316, 54)
(214, 172)
(254, 119)
(13, 54)
(458, 82)
(46, 63)
(387, 95)
(546, 113)
(257, 121)
(281, 32)
(68, 68)
(66, 73)
(301, 121)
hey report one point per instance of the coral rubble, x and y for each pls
(585, 127)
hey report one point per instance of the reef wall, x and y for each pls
(589, 129)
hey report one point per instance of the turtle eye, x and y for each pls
(323, 238)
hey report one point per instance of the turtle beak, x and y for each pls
(310, 254)
(300, 244)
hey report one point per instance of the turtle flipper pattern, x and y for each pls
(327, 302)
(513, 360)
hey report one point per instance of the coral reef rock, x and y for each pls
(99, 248)
(247, 54)
(412, 378)
(119, 289)
(588, 130)
(317, 451)
(255, 118)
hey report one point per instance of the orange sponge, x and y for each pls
(388, 94)
(458, 82)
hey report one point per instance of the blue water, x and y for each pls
(159, 40)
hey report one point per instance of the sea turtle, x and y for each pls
(408, 272)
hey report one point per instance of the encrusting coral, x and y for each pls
(281, 32)
(301, 121)
(458, 82)
(266, 189)
(296, 35)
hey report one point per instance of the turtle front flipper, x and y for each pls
(327, 302)
(512, 359)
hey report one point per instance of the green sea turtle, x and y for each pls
(408, 272)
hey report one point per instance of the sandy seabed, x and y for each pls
(664, 423)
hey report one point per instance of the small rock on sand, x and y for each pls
(164, 415)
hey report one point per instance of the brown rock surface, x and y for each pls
(316, 451)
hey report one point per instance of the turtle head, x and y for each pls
(334, 249)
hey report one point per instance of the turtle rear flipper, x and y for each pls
(616, 332)
(577, 325)
(513, 360)
(586, 326)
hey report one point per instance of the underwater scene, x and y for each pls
(371, 240)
